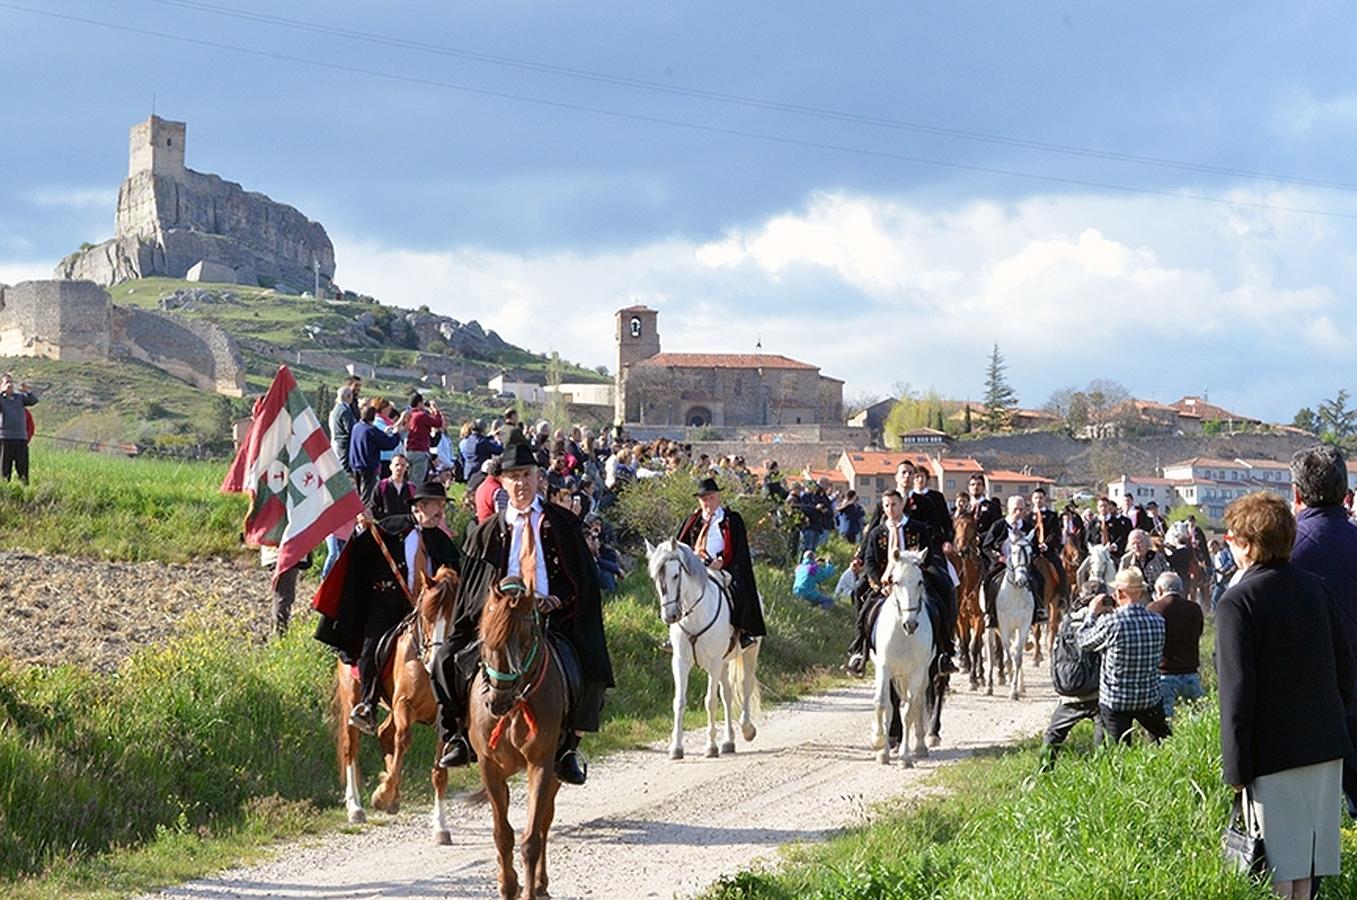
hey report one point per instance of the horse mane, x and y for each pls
(436, 600)
(499, 620)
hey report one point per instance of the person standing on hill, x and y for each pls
(14, 427)
(365, 448)
(1179, 675)
(343, 417)
(422, 423)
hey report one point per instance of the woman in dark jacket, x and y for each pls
(1286, 675)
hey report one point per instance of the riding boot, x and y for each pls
(571, 765)
(456, 748)
(363, 716)
(746, 640)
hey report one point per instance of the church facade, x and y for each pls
(730, 390)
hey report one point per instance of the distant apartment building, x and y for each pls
(1207, 483)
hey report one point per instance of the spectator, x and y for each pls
(1179, 678)
(490, 497)
(1131, 639)
(283, 591)
(14, 427)
(819, 513)
(809, 574)
(343, 417)
(1224, 569)
(849, 517)
(511, 429)
(1142, 556)
(1286, 678)
(848, 581)
(1070, 711)
(609, 569)
(386, 420)
(422, 421)
(365, 447)
(394, 495)
(476, 449)
(1326, 546)
(772, 484)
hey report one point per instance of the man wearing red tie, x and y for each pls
(542, 544)
(717, 534)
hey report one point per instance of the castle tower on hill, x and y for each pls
(156, 146)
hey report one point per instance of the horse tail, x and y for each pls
(477, 798)
(744, 671)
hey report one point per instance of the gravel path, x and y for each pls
(648, 827)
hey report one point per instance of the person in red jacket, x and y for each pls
(491, 497)
(423, 421)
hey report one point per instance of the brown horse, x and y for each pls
(411, 701)
(518, 705)
(1051, 597)
(970, 617)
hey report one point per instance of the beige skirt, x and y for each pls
(1298, 810)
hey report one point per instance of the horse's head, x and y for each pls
(679, 577)
(511, 642)
(1019, 559)
(965, 531)
(906, 576)
(436, 596)
(1180, 535)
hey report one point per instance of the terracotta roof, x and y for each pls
(725, 361)
(1009, 475)
(960, 464)
(877, 462)
(1209, 410)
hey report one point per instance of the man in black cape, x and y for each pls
(717, 534)
(994, 545)
(564, 578)
(375, 587)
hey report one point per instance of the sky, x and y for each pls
(1156, 193)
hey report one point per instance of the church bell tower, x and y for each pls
(637, 338)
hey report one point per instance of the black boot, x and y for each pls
(571, 765)
(746, 640)
(363, 718)
(945, 664)
(1040, 615)
(456, 750)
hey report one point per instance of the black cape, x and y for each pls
(370, 589)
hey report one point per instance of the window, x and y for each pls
(998, 489)
(635, 326)
(951, 484)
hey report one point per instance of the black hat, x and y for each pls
(430, 490)
(707, 486)
(517, 456)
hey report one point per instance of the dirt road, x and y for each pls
(648, 827)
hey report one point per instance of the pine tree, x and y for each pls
(966, 422)
(1000, 398)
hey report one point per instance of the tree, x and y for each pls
(1306, 420)
(1059, 402)
(912, 411)
(1000, 398)
(859, 401)
(966, 419)
(1335, 418)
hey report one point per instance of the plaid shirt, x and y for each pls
(1132, 643)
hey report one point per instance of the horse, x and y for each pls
(902, 653)
(970, 615)
(518, 707)
(411, 700)
(1013, 608)
(1097, 566)
(1072, 553)
(696, 607)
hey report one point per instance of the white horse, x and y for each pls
(695, 604)
(1098, 566)
(902, 652)
(1013, 608)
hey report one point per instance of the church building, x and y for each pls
(716, 389)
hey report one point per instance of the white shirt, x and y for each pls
(517, 519)
(716, 542)
(412, 544)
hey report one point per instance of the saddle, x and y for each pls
(384, 655)
(563, 653)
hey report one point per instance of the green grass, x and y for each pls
(202, 751)
(1137, 823)
(90, 504)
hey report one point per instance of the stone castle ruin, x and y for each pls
(76, 321)
(177, 223)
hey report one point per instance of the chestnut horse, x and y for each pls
(411, 701)
(970, 616)
(518, 704)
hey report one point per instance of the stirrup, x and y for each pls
(572, 767)
(456, 754)
(363, 718)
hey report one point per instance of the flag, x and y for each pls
(299, 494)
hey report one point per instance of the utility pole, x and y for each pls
(315, 267)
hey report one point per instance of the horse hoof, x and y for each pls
(728, 749)
(921, 752)
(442, 838)
(879, 743)
(676, 753)
(906, 762)
(883, 756)
(934, 740)
(713, 752)
(748, 731)
(357, 817)
(989, 691)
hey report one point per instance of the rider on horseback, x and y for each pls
(897, 533)
(1047, 532)
(717, 535)
(543, 545)
(994, 557)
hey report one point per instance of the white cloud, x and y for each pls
(72, 198)
(15, 272)
(1297, 112)
(1161, 295)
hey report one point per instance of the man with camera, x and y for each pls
(1131, 639)
(14, 428)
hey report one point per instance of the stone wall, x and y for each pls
(65, 320)
(199, 353)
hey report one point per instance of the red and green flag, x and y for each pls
(299, 494)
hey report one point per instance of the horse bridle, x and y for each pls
(1026, 550)
(684, 614)
(514, 675)
(895, 598)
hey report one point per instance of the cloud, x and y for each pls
(1162, 296)
(15, 272)
(1297, 113)
(72, 198)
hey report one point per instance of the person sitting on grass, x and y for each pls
(809, 574)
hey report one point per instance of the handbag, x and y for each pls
(1242, 842)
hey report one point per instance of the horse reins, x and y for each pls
(530, 687)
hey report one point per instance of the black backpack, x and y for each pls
(1074, 673)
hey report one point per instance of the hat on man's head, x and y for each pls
(808, 556)
(1130, 579)
(430, 490)
(707, 486)
(517, 456)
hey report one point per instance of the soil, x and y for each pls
(61, 609)
(646, 826)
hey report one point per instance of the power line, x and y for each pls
(757, 102)
(679, 123)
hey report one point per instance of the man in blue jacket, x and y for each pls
(1326, 546)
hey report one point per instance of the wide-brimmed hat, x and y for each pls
(707, 486)
(430, 490)
(517, 456)
(1131, 579)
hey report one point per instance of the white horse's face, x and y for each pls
(907, 588)
(669, 571)
(1019, 556)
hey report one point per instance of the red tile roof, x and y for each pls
(725, 361)
(877, 462)
(1209, 410)
(1009, 475)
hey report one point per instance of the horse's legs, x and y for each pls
(728, 745)
(438, 818)
(916, 713)
(546, 814)
(745, 682)
(681, 666)
(714, 679)
(1019, 640)
(497, 789)
(534, 833)
(937, 690)
(387, 797)
(880, 703)
(992, 656)
(346, 745)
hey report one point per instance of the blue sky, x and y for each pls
(540, 219)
